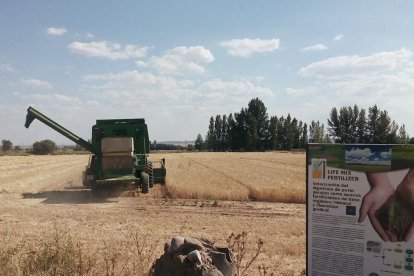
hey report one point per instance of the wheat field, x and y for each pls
(48, 221)
(267, 176)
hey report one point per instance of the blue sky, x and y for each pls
(176, 63)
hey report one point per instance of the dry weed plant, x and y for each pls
(264, 270)
(131, 256)
(9, 263)
(238, 243)
(57, 253)
(267, 270)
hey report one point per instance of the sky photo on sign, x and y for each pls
(177, 63)
(368, 155)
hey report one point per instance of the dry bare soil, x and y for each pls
(207, 195)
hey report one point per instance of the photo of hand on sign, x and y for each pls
(405, 192)
(390, 210)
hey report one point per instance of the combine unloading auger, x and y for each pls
(119, 148)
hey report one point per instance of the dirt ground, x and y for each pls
(39, 192)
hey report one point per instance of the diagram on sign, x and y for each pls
(395, 257)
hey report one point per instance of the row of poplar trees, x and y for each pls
(251, 129)
(355, 125)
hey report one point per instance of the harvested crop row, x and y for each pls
(51, 172)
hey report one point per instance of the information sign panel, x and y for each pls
(360, 209)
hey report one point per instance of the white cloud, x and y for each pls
(110, 50)
(358, 153)
(338, 37)
(137, 88)
(180, 60)
(225, 89)
(164, 101)
(386, 154)
(7, 68)
(135, 81)
(301, 91)
(34, 83)
(314, 48)
(54, 98)
(161, 100)
(341, 66)
(385, 79)
(374, 86)
(246, 47)
(89, 35)
(130, 88)
(56, 31)
(391, 91)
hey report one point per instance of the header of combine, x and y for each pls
(120, 148)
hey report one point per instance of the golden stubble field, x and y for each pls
(207, 195)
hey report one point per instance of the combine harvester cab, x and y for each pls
(119, 148)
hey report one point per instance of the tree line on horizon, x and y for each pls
(252, 129)
(38, 148)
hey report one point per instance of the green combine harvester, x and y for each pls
(119, 148)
